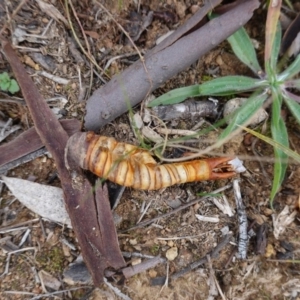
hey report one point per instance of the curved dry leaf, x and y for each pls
(49, 280)
(294, 49)
(52, 12)
(46, 201)
(153, 136)
(282, 220)
(207, 219)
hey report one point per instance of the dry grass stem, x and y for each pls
(87, 53)
(55, 78)
(144, 211)
(116, 290)
(111, 60)
(182, 237)
(176, 131)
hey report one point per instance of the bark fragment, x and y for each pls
(186, 110)
(29, 142)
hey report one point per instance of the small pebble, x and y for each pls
(172, 253)
(170, 243)
(270, 251)
(194, 8)
(233, 104)
(133, 242)
(136, 261)
(180, 9)
(152, 273)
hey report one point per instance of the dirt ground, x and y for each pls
(271, 269)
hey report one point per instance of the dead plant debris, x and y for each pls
(173, 253)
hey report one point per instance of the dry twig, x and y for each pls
(243, 221)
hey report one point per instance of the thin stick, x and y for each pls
(45, 295)
(24, 238)
(145, 210)
(9, 256)
(243, 222)
(176, 131)
(166, 284)
(4, 229)
(109, 62)
(143, 266)
(22, 160)
(181, 237)
(136, 254)
(116, 290)
(54, 78)
(11, 100)
(27, 49)
(180, 159)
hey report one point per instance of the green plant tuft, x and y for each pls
(272, 87)
(7, 84)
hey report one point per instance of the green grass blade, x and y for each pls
(286, 261)
(292, 70)
(229, 85)
(293, 106)
(271, 30)
(276, 47)
(243, 48)
(294, 155)
(280, 135)
(176, 96)
(280, 164)
(244, 114)
(271, 64)
(222, 86)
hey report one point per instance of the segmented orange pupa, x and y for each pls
(131, 166)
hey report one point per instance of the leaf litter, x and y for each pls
(44, 200)
(256, 201)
